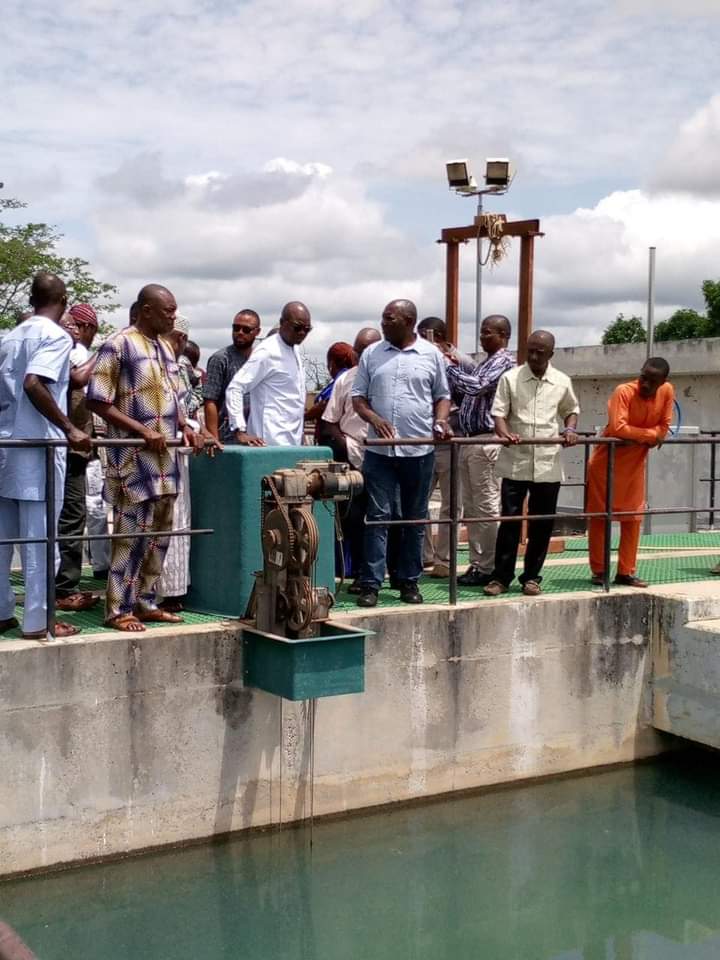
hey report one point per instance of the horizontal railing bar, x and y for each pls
(581, 441)
(540, 516)
(96, 442)
(113, 536)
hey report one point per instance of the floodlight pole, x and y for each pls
(478, 280)
(650, 301)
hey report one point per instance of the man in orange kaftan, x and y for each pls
(641, 411)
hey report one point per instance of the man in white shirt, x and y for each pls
(274, 381)
(530, 403)
(34, 376)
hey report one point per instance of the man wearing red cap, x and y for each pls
(72, 518)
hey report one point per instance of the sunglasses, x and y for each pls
(242, 328)
(300, 327)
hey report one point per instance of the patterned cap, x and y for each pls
(182, 324)
(84, 313)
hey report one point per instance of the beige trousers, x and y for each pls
(439, 551)
(480, 498)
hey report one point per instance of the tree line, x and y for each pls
(684, 324)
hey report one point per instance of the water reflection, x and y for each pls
(616, 866)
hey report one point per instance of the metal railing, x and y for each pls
(711, 438)
(52, 538)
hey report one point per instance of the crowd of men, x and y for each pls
(403, 380)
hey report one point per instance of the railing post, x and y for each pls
(50, 534)
(713, 454)
(452, 587)
(609, 481)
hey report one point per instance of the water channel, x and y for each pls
(621, 865)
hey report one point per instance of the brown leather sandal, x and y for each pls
(126, 622)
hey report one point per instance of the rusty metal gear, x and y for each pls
(300, 603)
(307, 539)
(278, 538)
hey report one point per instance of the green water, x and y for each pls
(616, 866)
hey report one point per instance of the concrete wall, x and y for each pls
(686, 666)
(117, 743)
(695, 373)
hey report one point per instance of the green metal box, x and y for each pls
(225, 494)
(328, 665)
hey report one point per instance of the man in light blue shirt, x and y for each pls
(401, 391)
(34, 377)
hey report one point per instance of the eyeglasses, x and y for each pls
(242, 328)
(300, 327)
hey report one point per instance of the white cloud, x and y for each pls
(692, 162)
(236, 151)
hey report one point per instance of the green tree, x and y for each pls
(711, 292)
(684, 324)
(29, 247)
(625, 330)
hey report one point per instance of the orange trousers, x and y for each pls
(629, 540)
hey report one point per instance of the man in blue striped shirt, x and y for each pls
(480, 487)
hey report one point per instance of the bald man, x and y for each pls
(400, 390)
(273, 381)
(530, 403)
(134, 388)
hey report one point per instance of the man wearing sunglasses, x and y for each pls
(273, 380)
(222, 367)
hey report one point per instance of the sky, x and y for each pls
(252, 152)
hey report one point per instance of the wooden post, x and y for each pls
(525, 299)
(452, 291)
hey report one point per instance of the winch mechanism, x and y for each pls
(287, 602)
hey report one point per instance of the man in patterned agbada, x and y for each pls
(134, 388)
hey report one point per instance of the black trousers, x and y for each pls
(543, 498)
(71, 524)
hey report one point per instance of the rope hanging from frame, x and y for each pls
(499, 246)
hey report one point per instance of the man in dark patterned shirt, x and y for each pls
(480, 486)
(134, 389)
(222, 367)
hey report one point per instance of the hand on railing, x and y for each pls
(154, 440)
(78, 440)
(383, 428)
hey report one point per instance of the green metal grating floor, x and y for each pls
(91, 621)
(574, 577)
(558, 578)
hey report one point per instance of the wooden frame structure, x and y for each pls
(527, 230)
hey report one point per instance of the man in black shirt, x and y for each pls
(222, 367)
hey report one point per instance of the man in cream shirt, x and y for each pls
(274, 381)
(531, 401)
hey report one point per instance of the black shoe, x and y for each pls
(628, 580)
(473, 578)
(355, 587)
(395, 584)
(598, 579)
(368, 597)
(409, 592)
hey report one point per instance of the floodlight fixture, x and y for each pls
(458, 174)
(497, 172)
